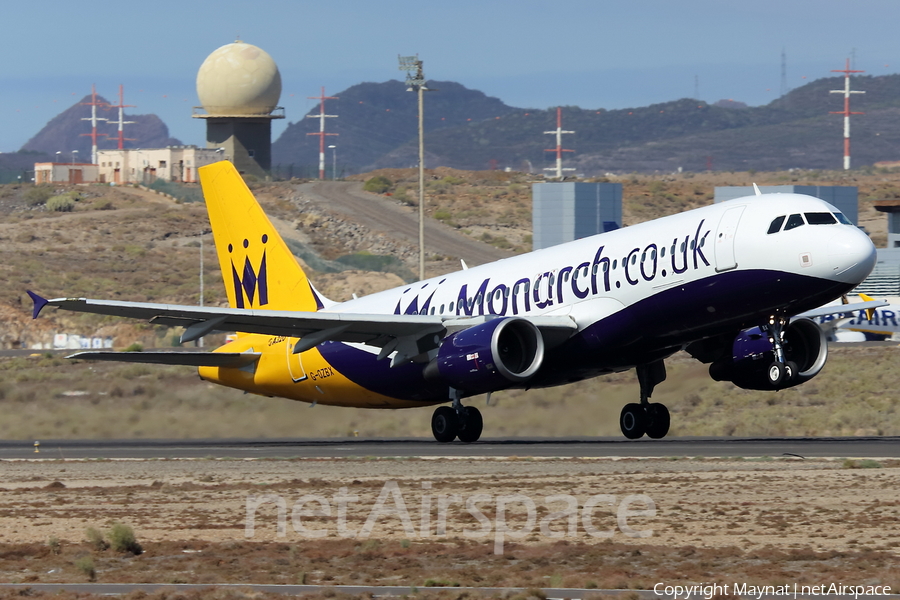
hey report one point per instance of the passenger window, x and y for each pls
(822, 218)
(775, 227)
(842, 219)
(793, 222)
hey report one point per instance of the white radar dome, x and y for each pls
(239, 79)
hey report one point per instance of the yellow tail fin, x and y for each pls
(258, 268)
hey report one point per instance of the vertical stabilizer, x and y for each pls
(258, 268)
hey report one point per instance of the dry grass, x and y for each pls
(449, 563)
(49, 397)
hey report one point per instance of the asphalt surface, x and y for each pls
(854, 447)
(377, 213)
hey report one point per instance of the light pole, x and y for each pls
(74, 152)
(58, 156)
(333, 163)
(415, 79)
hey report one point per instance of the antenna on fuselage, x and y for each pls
(756, 190)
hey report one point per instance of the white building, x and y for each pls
(145, 165)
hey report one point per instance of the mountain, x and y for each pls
(66, 132)
(374, 119)
(467, 130)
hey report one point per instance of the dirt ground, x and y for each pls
(465, 521)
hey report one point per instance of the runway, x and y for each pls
(297, 448)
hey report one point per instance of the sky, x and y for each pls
(530, 54)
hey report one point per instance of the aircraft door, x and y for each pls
(725, 259)
(294, 362)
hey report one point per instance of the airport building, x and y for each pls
(146, 165)
(53, 172)
(569, 210)
(844, 197)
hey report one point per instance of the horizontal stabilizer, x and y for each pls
(190, 359)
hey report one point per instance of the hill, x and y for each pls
(66, 132)
(467, 130)
(374, 119)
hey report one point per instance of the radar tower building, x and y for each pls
(239, 87)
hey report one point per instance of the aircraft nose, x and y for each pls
(852, 255)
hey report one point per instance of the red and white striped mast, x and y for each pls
(559, 149)
(846, 112)
(121, 106)
(321, 133)
(93, 119)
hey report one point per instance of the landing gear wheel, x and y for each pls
(632, 421)
(444, 424)
(472, 425)
(790, 372)
(657, 421)
(775, 374)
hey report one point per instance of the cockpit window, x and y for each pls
(793, 222)
(775, 227)
(820, 218)
(842, 219)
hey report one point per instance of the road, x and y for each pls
(380, 214)
(847, 447)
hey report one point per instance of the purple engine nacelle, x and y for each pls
(488, 357)
(752, 353)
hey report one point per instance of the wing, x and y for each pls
(409, 335)
(838, 309)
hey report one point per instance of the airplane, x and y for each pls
(729, 279)
(855, 325)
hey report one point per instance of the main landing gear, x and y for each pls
(781, 371)
(456, 421)
(646, 417)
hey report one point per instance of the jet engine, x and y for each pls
(489, 356)
(751, 355)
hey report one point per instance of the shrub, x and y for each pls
(135, 347)
(121, 539)
(85, 564)
(55, 546)
(39, 194)
(95, 539)
(61, 203)
(377, 185)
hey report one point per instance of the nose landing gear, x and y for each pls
(647, 418)
(781, 371)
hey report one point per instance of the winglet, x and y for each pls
(870, 312)
(39, 304)
(756, 190)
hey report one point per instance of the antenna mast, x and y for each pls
(93, 119)
(321, 133)
(558, 132)
(846, 112)
(121, 106)
(784, 83)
